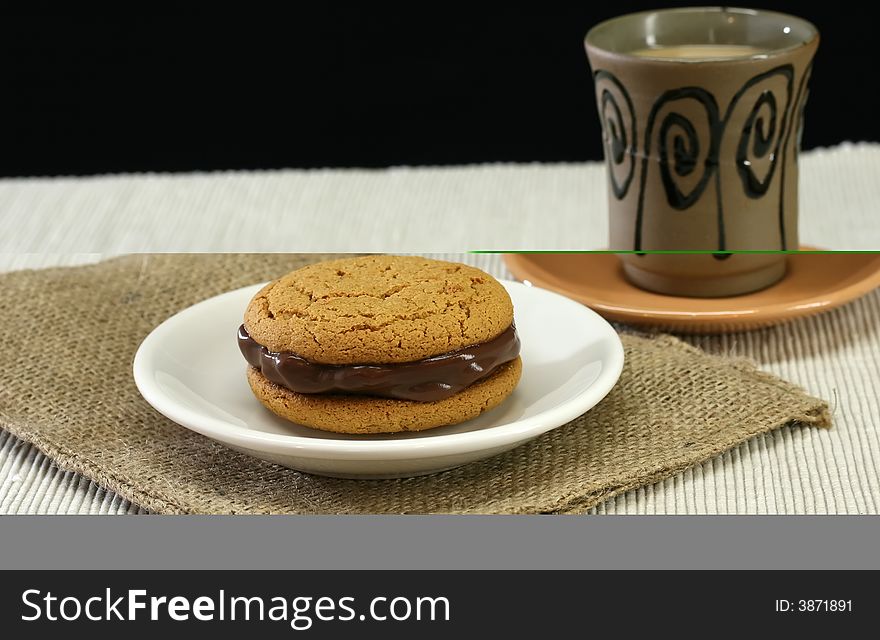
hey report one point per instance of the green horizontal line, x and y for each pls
(701, 252)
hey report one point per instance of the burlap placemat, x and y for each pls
(68, 337)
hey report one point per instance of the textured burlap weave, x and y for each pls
(68, 337)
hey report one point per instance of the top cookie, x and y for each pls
(378, 310)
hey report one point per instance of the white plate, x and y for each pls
(190, 369)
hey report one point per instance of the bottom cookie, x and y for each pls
(365, 414)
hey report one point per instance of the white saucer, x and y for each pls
(190, 369)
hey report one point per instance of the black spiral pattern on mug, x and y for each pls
(619, 131)
(762, 133)
(796, 125)
(765, 134)
(682, 157)
(764, 137)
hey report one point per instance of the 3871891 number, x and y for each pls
(824, 605)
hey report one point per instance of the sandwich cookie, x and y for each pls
(381, 344)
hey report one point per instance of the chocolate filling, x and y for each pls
(425, 380)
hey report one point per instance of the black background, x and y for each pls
(501, 603)
(362, 85)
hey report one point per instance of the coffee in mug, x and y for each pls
(699, 51)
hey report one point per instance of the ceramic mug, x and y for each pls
(702, 113)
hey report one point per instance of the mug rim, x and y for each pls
(589, 38)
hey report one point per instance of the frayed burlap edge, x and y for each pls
(68, 460)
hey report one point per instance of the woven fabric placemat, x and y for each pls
(68, 337)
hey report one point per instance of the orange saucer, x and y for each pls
(814, 282)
